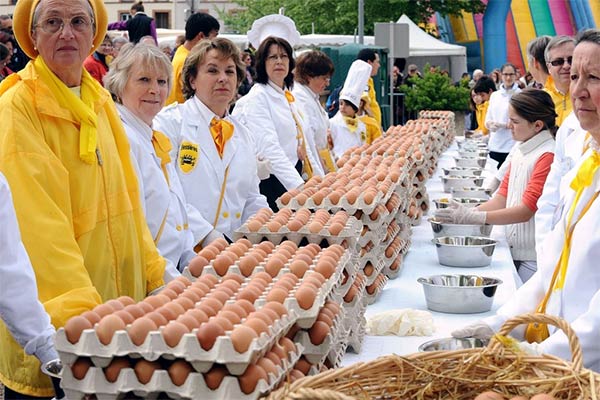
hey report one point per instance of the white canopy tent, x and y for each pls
(424, 48)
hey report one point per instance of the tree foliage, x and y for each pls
(435, 91)
(341, 16)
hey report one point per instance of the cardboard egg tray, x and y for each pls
(336, 354)
(317, 353)
(339, 291)
(393, 273)
(356, 314)
(402, 244)
(356, 336)
(369, 299)
(372, 235)
(349, 235)
(188, 348)
(356, 306)
(95, 383)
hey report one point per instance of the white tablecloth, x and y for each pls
(421, 261)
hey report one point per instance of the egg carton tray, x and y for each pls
(376, 223)
(188, 348)
(402, 244)
(372, 235)
(342, 204)
(394, 273)
(317, 353)
(194, 387)
(349, 235)
(406, 247)
(355, 306)
(338, 292)
(357, 336)
(391, 232)
(356, 316)
(369, 299)
(336, 355)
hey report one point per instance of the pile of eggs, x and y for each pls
(296, 221)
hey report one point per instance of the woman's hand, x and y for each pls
(459, 214)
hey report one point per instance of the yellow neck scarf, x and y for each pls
(81, 108)
(351, 123)
(162, 146)
(221, 131)
(537, 332)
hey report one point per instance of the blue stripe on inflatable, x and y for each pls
(587, 11)
(494, 33)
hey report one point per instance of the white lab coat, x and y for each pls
(268, 116)
(501, 141)
(579, 301)
(316, 119)
(160, 199)
(20, 308)
(341, 136)
(202, 172)
(566, 154)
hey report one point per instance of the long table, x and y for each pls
(421, 261)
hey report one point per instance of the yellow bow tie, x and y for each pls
(352, 123)
(586, 172)
(221, 131)
(162, 147)
(289, 96)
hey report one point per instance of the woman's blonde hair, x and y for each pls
(226, 49)
(148, 56)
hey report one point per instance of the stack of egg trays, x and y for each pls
(371, 235)
(194, 387)
(355, 310)
(357, 334)
(342, 204)
(393, 273)
(340, 290)
(369, 299)
(349, 235)
(316, 354)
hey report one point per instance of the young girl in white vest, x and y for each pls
(531, 121)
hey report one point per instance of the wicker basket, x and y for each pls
(460, 374)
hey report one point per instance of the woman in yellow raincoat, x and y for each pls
(66, 157)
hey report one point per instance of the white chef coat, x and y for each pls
(566, 154)
(202, 171)
(579, 301)
(341, 136)
(20, 308)
(500, 141)
(161, 200)
(316, 119)
(268, 116)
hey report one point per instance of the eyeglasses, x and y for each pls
(78, 23)
(559, 62)
(277, 57)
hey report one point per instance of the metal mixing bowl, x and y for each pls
(451, 182)
(459, 294)
(464, 251)
(470, 161)
(452, 344)
(447, 229)
(465, 201)
(471, 192)
(462, 171)
(478, 152)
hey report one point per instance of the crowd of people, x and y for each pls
(120, 160)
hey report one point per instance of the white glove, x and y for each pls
(533, 349)
(478, 330)
(211, 237)
(459, 214)
(263, 166)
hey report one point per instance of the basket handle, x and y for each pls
(510, 324)
(306, 393)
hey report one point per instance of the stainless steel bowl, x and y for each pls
(478, 152)
(451, 182)
(464, 251)
(470, 161)
(465, 201)
(472, 192)
(462, 171)
(441, 229)
(452, 344)
(459, 294)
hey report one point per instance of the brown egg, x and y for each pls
(318, 197)
(489, 396)
(112, 371)
(220, 244)
(221, 264)
(254, 225)
(274, 316)
(249, 293)
(179, 372)
(139, 329)
(280, 351)
(279, 309)
(246, 305)
(214, 306)
(249, 379)
(241, 338)
(273, 266)
(80, 367)
(209, 253)
(196, 265)
(318, 332)
(247, 265)
(325, 267)
(103, 310)
(298, 267)
(75, 326)
(273, 357)
(305, 296)
(126, 300)
(295, 375)
(171, 311)
(315, 227)
(303, 365)
(277, 294)
(125, 316)
(185, 302)
(171, 294)
(334, 197)
(258, 325)
(273, 226)
(351, 294)
(107, 327)
(263, 276)
(209, 280)
(325, 318)
(157, 301)
(226, 324)
(173, 332)
(135, 310)
(208, 333)
(268, 365)
(335, 228)
(288, 345)
(189, 321)
(197, 314)
(145, 307)
(177, 286)
(221, 294)
(262, 316)
(144, 370)
(115, 304)
(232, 316)
(157, 318)
(285, 284)
(214, 376)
